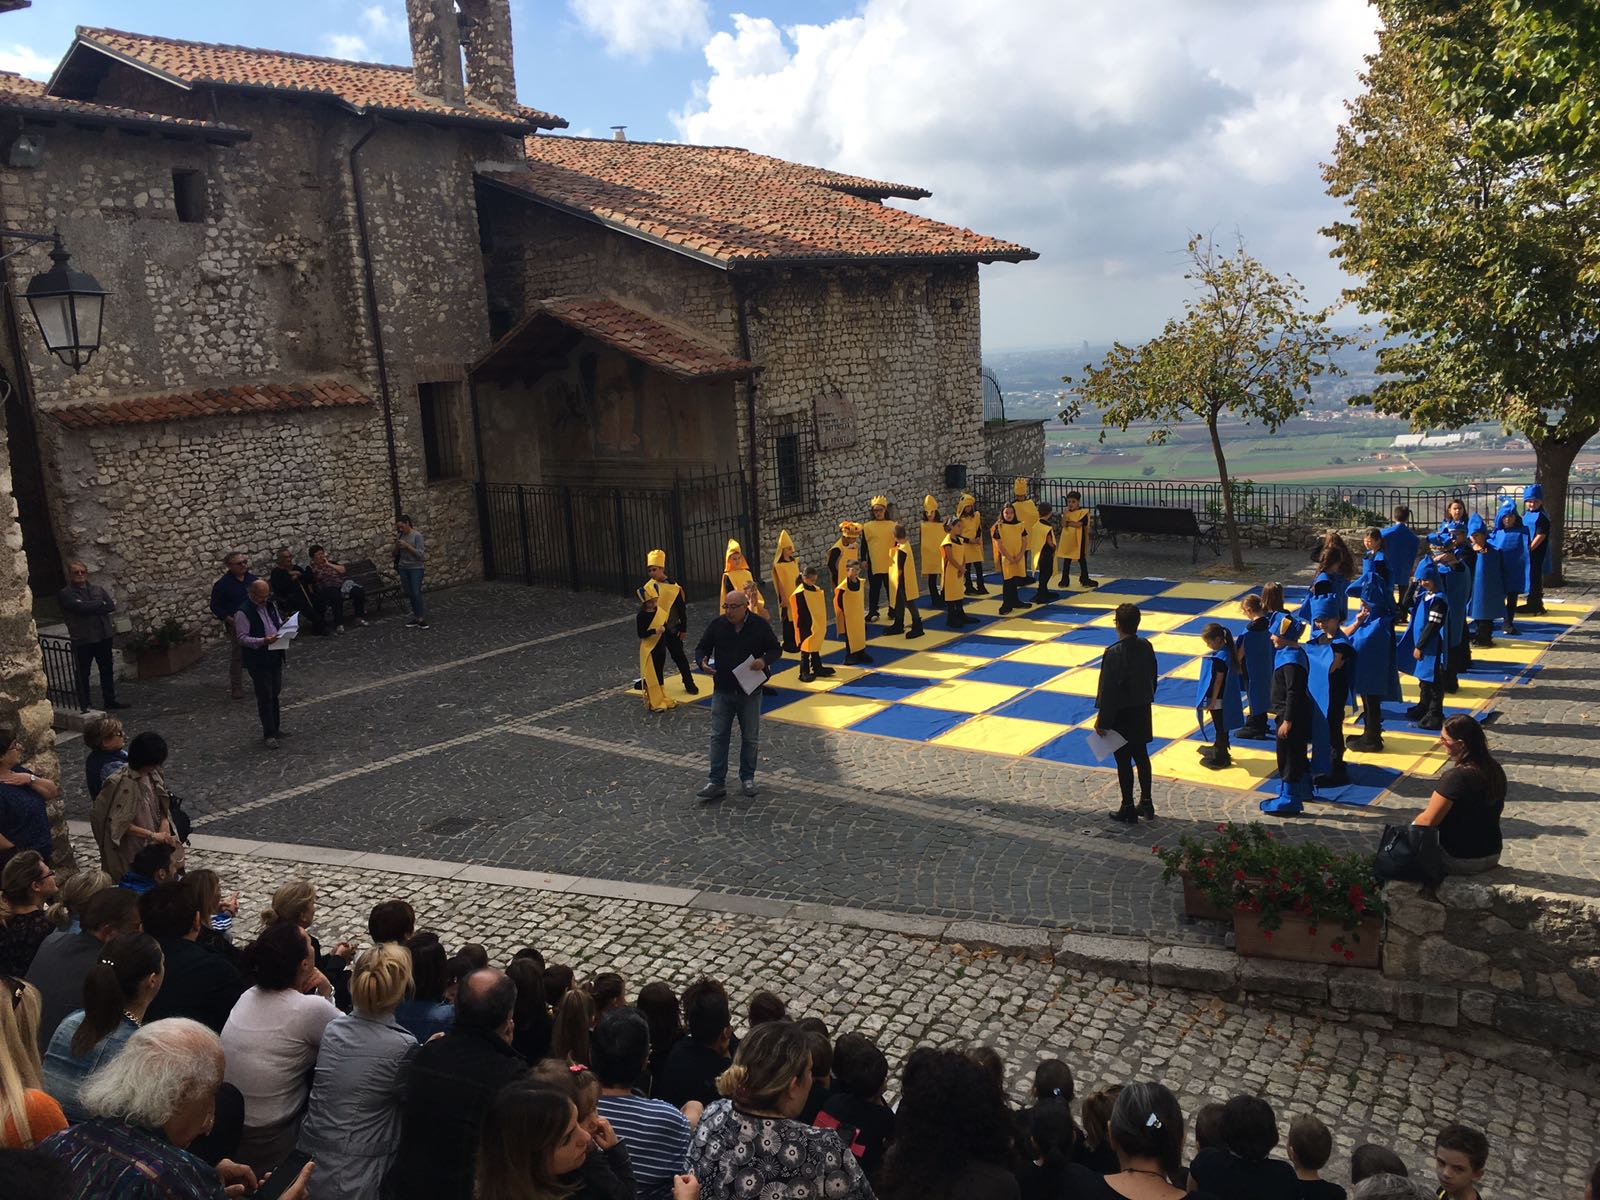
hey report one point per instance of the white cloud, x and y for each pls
(25, 60)
(639, 28)
(1100, 138)
(385, 22)
(348, 45)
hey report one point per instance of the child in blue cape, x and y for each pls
(1511, 539)
(1330, 658)
(1538, 523)
(1291, 704)
(1488, 600)
(1218, 694)
(1253, 656)
(1400, 544)
(1422, 649)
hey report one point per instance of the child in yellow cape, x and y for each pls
(903, 591)
(808, 608)
(850, 610)
(651, 623)
(842, 551)
(968, 523)
(932, 539)
(952, 575)
(1028, 516)
(1011, 555)
(878, 534)
(668, 594)
(785, 578)
(735, 570)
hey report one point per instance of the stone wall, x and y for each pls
(1014, 448)
(267, 287)
(23, 707)
(1507, 961)
(900, 350)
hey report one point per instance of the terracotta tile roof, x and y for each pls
(732, 207)
(626, 329)
(362, 87)
(19, 94)
(211, 402)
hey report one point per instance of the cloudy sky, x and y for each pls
(1098, 132)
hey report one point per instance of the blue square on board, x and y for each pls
(1179, 693)
(1166, 663)
(1016, 674)
(910, 723)
(773, 698)
(1135, 587)
(1055, 708)
(1067, 613)
(1197, 626)
(984, 647)
(1089, 635)
(881, 685)
(1176, 604)
(881, 656)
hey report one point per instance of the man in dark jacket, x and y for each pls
(292, 589)
(87, 609)
(228, 595)
(64, 959)
(452, 1082)
(198, 984)
(257, 627)
(732, 640)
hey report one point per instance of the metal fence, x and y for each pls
(1278, 504)
(60, 669)
(596, 538)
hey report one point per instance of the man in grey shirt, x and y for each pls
(87, 608)
(409, 558)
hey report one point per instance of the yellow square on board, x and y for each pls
(1149, 622)
(929, 639)
(1506, 651)
(1189, 670)
(1179, 643)
(1181, 761)
(964, 695)
(673, 686)
(936, 664)
(1057, 654)
(828, 711)
(1226, 614)
(1206, 591)
(1022, 629)
(841, 674)
(1169, 722)
(999, 735)
(987, 606)
(1103, 599)
(1085, 681)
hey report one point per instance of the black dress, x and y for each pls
(1081, 1183)
(1128, 689)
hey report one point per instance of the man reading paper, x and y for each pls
(737, 639)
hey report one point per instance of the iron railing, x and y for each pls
(1278, 504)
(596, 538)
(60, 670)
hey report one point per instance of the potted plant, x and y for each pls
(1302, 902)
(1206, 867)
(164, 650)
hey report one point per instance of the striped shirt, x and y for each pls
(113, 1161)
(657, 1137)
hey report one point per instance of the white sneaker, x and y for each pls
(338, 628)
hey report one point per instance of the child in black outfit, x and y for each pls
(1045, 532)
(1123, 699)
(1291, 705)
(1242, 1168)
(1310, 1146)
(1460, 1154)
(1344, 657)
(855, 1107)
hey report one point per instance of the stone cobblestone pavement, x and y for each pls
(904, 990)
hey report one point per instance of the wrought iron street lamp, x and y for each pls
(68, 304)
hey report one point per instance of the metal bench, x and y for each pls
(1158, 521)
(377, 586)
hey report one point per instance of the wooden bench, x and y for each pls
(377, 587)
(1156, 520)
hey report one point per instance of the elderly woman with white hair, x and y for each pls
(145, 1106)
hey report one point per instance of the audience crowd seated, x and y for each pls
(529, 1084)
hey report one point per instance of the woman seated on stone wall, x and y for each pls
(1467, 801)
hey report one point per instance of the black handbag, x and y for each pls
(181, 824)
(1410, 853)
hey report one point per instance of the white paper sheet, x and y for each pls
(1104, 745)
(749, 677)
(287, 632)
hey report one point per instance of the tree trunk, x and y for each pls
(1228, 521)
(1552, 466)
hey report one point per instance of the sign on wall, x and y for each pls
(836, 420)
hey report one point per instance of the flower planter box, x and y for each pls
(168, 660)
(1196, 906)
(1293, 941)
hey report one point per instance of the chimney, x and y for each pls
(619, 133)
(435, 49)
(486, 33)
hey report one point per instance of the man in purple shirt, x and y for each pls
(255, 627)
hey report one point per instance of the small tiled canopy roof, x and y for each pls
(557, 324)
(360, 87)
(211, 402)
(27, 98)
(731, 207)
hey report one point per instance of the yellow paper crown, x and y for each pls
(929, 505)
(1019, 487)
(656, 558)
(784, 542)
(850, 528)
(880, 502)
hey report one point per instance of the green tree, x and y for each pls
(1473, 227)
(1247, 345)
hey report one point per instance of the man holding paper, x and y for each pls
(263, 636)
(740, 648)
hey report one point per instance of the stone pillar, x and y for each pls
(24, 707)
(435, 49)
(491, 75)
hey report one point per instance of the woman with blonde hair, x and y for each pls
(27, 1114)
(750, 1142)
(352, 1125)
(295, 903)
(73, 895)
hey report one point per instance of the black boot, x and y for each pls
(1126, 815)
(1085, 581)
(1433, 714)
(1146, 810)
(806, 673)
(817, 669)
(1337, 776)
(916, 624)
(1251, 731)
(1008, 592)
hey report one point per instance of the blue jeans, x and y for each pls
(725, 706)
(411, 584)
